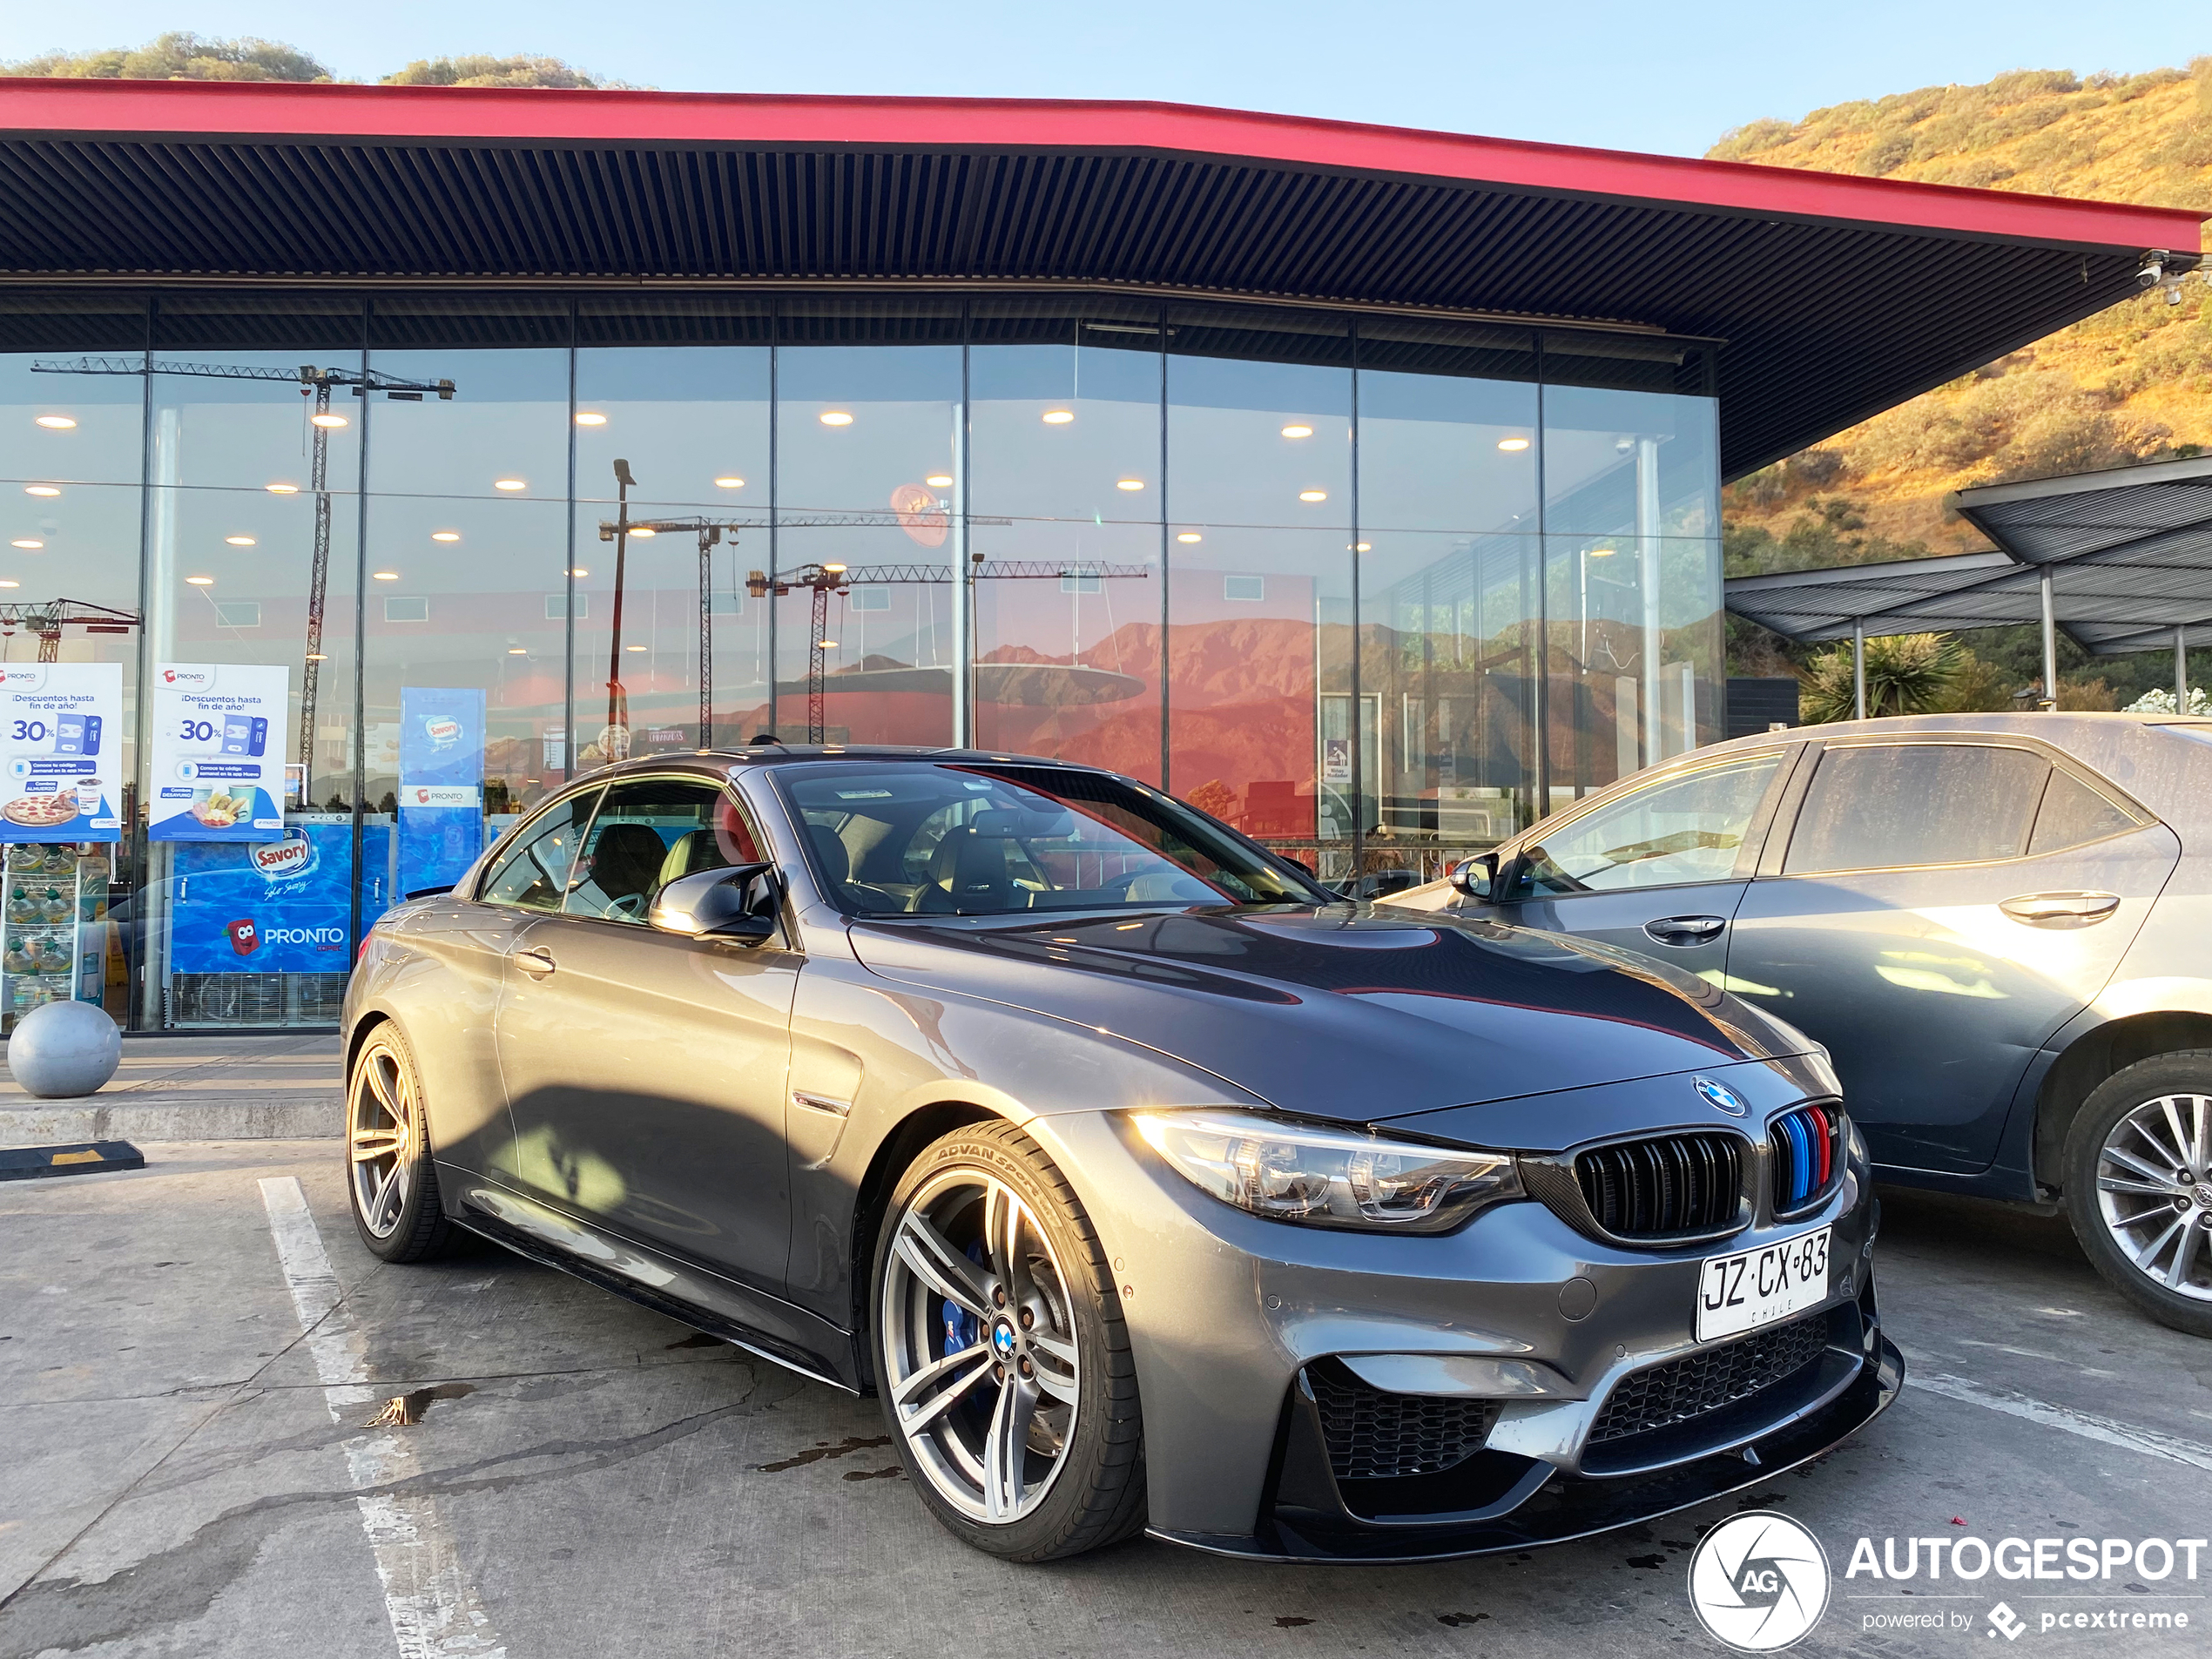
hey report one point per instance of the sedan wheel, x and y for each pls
(2139, 1186)
(389, 1176)
(1001, 1356)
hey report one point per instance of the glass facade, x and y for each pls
(1377, 590)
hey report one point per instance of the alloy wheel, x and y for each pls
(379, 1120)
(980, 1345)
(2155, 1191)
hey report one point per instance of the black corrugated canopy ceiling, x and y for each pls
(1825, 321)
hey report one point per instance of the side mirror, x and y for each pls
(738, 905)
(1477, 878)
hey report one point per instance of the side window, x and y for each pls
(1895, 805)
(1682, 830)
(2074, 814)
(646, 835)
(533, 875)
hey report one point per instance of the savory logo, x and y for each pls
(284, 860)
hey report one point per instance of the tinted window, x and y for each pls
(2073, 813)
(984, 840)
(534, 873)
(646, 835)
(1900, 805)
(1683, 829)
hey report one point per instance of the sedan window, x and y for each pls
(912, 839)
(533, 873)
(1683, 829)
(2072, 814)
(1904, 805)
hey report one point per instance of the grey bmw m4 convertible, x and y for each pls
(1147, 1184)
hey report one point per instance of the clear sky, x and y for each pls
(1646, 75)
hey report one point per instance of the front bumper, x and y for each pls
(1230, 1315)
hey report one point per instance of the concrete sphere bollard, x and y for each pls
(62, 1050)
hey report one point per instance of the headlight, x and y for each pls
(1327, 1177)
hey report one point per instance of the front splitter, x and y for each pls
(1567, 1510)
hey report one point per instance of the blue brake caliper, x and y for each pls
(962, 1330)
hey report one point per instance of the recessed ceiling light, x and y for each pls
(834, 570)
(1190, 536)
(240, 540)
(579, 572)
(10, 584)
(939, 481)
(445, 536)
(1362, 547)
(317, 657)
(587, 418)
(282, 489)
(508, 483)
(645, 532)
(40, 489)
(729, 484)
(1128, 483)
(633, 648)
(201, 581)
(1313, 494)
(31, 542)
(1603, 552)
(57, 422)
(827, 643)
(835, 417)
(518, 651)
(385, 576)
(332, 421)
(1512, 444)
(1058, 417)
(1296, 431)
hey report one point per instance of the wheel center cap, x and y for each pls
(1002, 1339)
(2202, 1193)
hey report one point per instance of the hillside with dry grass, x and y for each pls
(2133, 383)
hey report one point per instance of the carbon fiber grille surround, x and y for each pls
(1664, 1187)
(1373, 1434)
(1689, 1387)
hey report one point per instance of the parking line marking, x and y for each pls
(2151, 1443)
(435, 1612)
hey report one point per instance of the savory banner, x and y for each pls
(61, 737)
(217, 751)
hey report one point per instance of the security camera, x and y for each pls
(2148, 276)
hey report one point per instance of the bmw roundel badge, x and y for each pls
(1722, 1098)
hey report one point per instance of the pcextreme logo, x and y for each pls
(1758, 1582)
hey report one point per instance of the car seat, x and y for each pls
(625, 865)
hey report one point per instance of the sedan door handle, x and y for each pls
(536, 963)
(1686, 930)
(2061, 909)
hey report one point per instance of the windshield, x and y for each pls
(968, 840)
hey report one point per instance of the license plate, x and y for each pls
(1756, 1287)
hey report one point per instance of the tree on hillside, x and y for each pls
(179, 56)
(483, 70)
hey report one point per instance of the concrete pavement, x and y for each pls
(192, 1087)
(186, 1473)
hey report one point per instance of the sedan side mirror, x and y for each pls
(737, 905)
(1477, 878)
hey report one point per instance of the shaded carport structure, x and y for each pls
(2120, 559)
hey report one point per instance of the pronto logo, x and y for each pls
(189, 679)
(1758, 1582)
(329, 938)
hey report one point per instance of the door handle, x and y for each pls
(536, 963)
(1685, 930)
(2061, 909)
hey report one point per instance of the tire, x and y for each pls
(2138, 1187)
(1042, 1456)
(391, 1184)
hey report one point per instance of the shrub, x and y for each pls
(1905, 674)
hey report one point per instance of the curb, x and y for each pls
(306, 1117)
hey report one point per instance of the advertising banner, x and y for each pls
(217, 751)
(61, 739)
(442, 785)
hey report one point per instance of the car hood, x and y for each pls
(1344, 1012)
